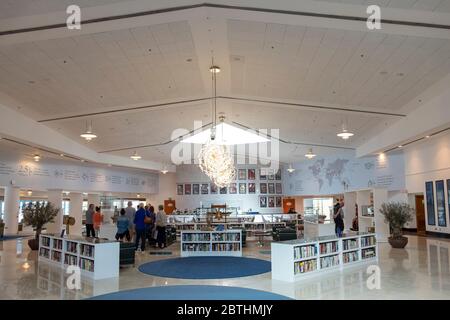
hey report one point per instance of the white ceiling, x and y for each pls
(120, 68)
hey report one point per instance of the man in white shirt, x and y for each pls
(129, 213)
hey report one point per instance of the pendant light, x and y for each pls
(310, 154)
(345, 133)
(135, 156)
(88, 134)
(164, 169)
(290, 169)
(36, 157)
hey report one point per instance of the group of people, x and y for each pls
(142, 224)
(338, 216)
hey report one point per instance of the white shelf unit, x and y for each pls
(321, 254)
(207, 243)
(98, 259)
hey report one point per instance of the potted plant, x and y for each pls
(397, 214)
(37, 215)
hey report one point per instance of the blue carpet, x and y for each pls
(191, 293)
(5, 238)
(206, 267)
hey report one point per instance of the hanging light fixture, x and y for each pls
(310, 154)
(345, 134)
(36, 157)
(215, 159)
(164, 169)
(290, 169)
(29, 192)
(88, 134)
(135, 156)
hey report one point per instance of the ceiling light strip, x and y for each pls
(228, 7)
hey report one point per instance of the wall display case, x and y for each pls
(429, 193)
(440, 204)
(98, 259)
(296, 259)
(211, 243)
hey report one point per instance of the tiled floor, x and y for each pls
(421, 271)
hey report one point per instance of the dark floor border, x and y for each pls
(438, 234)
(223, 6)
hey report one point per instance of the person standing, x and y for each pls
(161, 222)
(338, 217)
(122, 227)
(151, 226)
(130, 212)
(98, 219)
(90, 232)
(139, 226)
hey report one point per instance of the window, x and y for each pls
(319, 206)
(65, 207)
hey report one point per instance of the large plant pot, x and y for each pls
(398, 243)
(33, 244)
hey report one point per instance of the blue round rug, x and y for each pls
(206, 267)
(191, 293)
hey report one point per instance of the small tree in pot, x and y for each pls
(397, 214)
(37, 215)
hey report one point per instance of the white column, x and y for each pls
(94, 199)
(76, 211)
(55, 197)
(349, 209)
(380, 196)
(11, 215)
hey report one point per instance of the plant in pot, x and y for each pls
(397, 214)
(38, 215)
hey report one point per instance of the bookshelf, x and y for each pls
(296, 259)
(211, 243)
(98, 259)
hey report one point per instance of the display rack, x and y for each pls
(98, 259)
(296, 259)
(211, 243)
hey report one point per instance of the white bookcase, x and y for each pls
(98, 259)
(297, 259)
(211, 243)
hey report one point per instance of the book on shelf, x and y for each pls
(56, 256)
(328, 262)
(43, 252)
(226, 237)
(350, 257)
(305, 266)
(368, 253)
(305, 251)
(349, 244)
(196, 237)
(70, 259)
(71, 246)
(328, 247)
(45, 241)
(226, 247)
(195, 247)
(368, 241)
(87, 250)
(57, 244)
(87, 264)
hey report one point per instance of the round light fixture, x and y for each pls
(345, 134)
(29, 192)
(37, 157)
(88, 134)
(214, 69)
(310, 154)
(135, 156)
(290, 169)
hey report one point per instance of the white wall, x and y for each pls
(166, 189)
(428, 161)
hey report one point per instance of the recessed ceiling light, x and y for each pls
(400, 146)
(135, 156)
(427, 137)
(37, 157)
(61, 154)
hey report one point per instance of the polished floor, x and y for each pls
(421, 271)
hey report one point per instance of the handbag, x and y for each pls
(147, 220)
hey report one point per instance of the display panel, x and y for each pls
(440, 203)
(431, 218)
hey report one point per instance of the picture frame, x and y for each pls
(242, 188)
(212, 188)
(251, 174)
(263, 188)
(448, 194)
(223, 190)
(195, 188)
(263, 202)
(440, 203)
(262, 174)
(278, 202)
(180, 189)
(204, 188)
(252, 188)
(278, 188)
(232, 189)
(271, 188)
(271, 202)
(187, 189)
(271, 175)
(278, 175)
(242, 174)
(429, 193)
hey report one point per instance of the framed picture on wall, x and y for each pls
(263, 202)
(278, 175)
(271, 202)
(251, 174)
(251, 187)
(262, 174)
(195, 188)
(204, 188)
(271, 175)
(223, 190)
(431, 216)
(213, 188)
(278, 188)
(242, 188)
(278, 202)
(440, 203)
(180, 189)
(271, 187)
(263, 188)
(242, 174)
(448, 195)
(232, 189)
(187, 188)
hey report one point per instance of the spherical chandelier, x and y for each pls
(217, 163)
